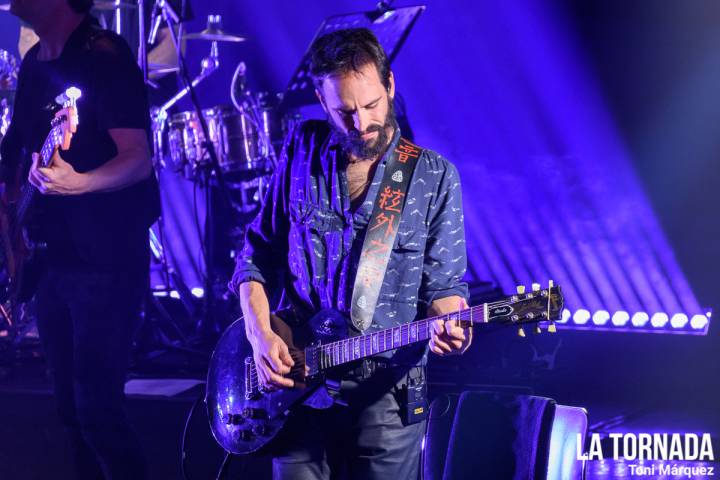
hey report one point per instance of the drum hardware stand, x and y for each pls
(164, 318)
(207, 328)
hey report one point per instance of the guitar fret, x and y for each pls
(396, 337)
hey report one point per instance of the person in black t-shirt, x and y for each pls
(97, 202)
(162, 52)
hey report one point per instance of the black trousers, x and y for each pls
(87, 322)
(364, 440)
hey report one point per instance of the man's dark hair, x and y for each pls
(80, 6)
(347, 50)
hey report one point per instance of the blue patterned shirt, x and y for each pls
(307, 232)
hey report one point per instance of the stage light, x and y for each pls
(581, 316)
(679, 320)
(620, 318)
(659, 319)
(601, 317)
(198, 292)
(698, 322)
(637, 322)
(174, 294)
(639, 319)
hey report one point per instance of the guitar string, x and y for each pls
(463, 314)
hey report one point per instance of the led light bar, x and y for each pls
(639, 322)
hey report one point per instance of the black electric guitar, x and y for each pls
(17, 251)
(244, 418)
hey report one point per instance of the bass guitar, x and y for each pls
(244, 418)
(17, 251)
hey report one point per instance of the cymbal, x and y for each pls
(214, 34)
(162, 68)
(106, 5)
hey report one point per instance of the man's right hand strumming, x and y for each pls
(271, 354)
(272, 360)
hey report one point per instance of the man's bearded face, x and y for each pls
(360, 111)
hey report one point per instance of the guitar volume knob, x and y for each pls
(235, 419)
(253, 413)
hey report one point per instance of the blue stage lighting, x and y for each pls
(659, 319)
(620, 318)
(581, 316)
(679, 320)
(601, 317)
(698, 322)
(639, 319)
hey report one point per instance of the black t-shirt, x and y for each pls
(95, 231)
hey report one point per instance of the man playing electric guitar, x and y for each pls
(336, 202)
(93, 205)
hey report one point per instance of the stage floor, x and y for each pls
(34, 445)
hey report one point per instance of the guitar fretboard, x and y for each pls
(355, 348)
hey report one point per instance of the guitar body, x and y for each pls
(244, 419)
(21, 258)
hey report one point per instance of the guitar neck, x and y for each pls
(531, 307)
(52, 141)
(340, 352)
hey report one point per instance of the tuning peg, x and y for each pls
(521, 289)
(521, 332)
(535, 287)
(552, 328)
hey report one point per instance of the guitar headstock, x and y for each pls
(66, 119)
(538, 305)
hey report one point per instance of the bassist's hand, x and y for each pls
(60, 178)
(272, 360)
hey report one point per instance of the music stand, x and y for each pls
(391, 26)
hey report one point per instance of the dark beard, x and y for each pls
(353, 144)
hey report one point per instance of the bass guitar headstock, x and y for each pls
(66, 119)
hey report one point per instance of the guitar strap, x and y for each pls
(381, 232)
